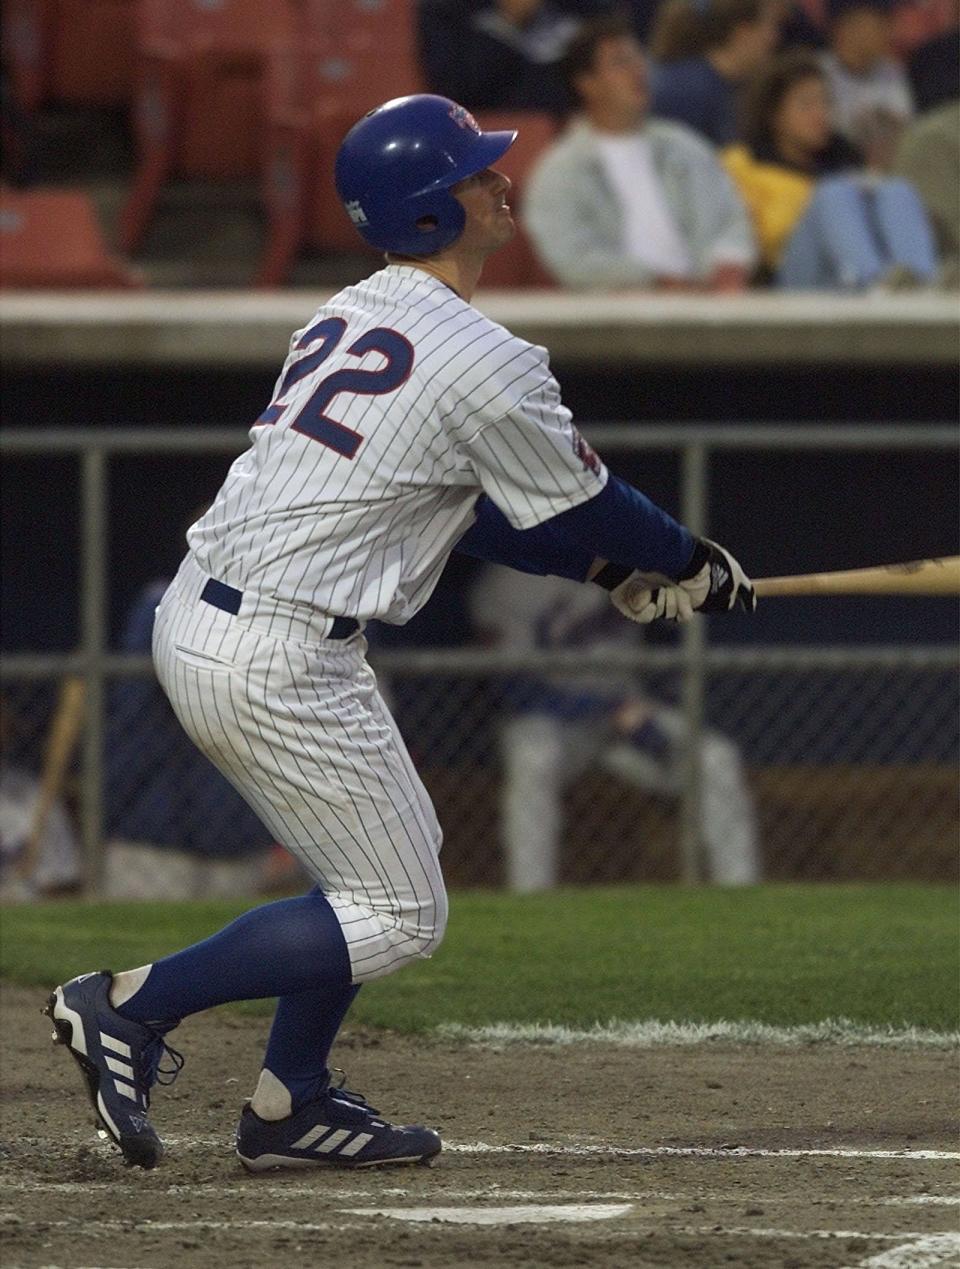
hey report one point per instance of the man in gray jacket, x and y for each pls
(622, 201)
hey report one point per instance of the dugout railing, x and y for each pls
(693, 661)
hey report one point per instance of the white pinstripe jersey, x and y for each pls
(396, 407)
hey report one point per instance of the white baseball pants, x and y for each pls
(296, 724)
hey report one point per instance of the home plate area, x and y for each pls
(751, 1155)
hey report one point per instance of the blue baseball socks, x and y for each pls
(294, 949)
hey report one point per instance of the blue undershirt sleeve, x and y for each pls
(620, 525)
(623, 526)
(543, 549)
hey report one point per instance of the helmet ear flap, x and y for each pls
(438, 221)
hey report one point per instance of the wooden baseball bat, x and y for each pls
(61, 742)
(919, 577)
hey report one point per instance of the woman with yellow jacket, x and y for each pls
(821, 219)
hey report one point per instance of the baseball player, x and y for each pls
(403, 424)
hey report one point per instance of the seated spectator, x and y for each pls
(917, 22)
(704, 51)
(502, 55)
(929, 158)
(934, 67)
(622, 201)
(864, 79)
(821, 219)
(176, 829)
(558, 726)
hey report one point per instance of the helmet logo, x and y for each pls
(463, 118)
(356, 212)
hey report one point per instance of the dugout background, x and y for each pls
(782, 513)
(854, 773)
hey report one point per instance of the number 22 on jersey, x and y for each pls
(321, 340)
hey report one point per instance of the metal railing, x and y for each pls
(695, 443)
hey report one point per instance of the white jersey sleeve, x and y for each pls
(520, 441)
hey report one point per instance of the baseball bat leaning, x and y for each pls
(61, 742)
(919, 577)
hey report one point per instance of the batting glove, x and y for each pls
(713, 581)
(646, 597)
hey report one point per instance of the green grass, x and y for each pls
(876, 954)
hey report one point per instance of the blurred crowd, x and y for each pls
(692, 145)
(711, 144)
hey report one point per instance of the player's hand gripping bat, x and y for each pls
(645, 597)
(713, 581)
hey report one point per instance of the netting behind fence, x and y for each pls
(805, 774)
(665, 763)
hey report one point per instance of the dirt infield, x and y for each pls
(560, 1156)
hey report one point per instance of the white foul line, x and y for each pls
(650, 1033)
(529, 1214)
(627, 1152)
(931, 1249)
(700, 1152)
(289, 1189)
(638, 1152)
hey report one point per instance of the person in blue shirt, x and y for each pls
(175, 827)
(704, 51)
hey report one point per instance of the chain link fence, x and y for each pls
(842, 773)
(593, 765)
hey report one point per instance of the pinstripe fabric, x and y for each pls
(368, 536)
(301, 731)
(396, 407)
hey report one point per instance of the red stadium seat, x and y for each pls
(50, 238)
(200, 97)
(338, 72)
(80, 52)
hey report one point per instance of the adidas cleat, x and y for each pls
(120, 1060)
(337, 1130)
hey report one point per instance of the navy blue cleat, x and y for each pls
(120, 1061)
(337, 1130)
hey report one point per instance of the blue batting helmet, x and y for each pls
(395, 167)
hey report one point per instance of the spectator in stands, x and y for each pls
(869, 89)
(916, 22)
(934, 66)
(704, 51)
(822, 221)
(622, 201)
(929, 158)
(558, 726)
(503, 55)
(176, 829)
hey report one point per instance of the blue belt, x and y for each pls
(228, 599)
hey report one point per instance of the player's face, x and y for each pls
(483, 197)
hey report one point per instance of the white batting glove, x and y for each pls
(646, 597)
(713, 581)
